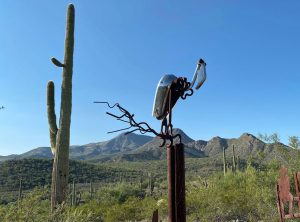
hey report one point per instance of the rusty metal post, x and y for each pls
(279, 204)
(180, 183)
(171, 183)
(297, 180)
(155, 216)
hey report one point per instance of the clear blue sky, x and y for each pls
(122, 48)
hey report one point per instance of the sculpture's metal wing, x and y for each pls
(161, 95)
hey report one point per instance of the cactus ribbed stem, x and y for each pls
(141, 182)
(20, 190)
(91, 189)
(224, 162)
(149, 183)
(238, 163)
(51, 115)
(73, 202)
(60, 137)
(233, 159)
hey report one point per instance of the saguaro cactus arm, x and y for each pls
(56, 62)
(51, 115)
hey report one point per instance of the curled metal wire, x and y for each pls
(181, 88)
(116, 104)
(142, 127)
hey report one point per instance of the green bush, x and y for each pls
(120, 203)
(247, 196)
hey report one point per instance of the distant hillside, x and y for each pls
(133, 147)
(119, 144)
(153, 151)
(40, 152)
(37, 172)
(9, 157)
(246, 146)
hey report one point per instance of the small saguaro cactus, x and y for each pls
(91, 190)
(73, 195)
(224, 162)
(151, 181)
(238, 163)
(141, 181)
(20, 189)
(233, 159)
(60, 137)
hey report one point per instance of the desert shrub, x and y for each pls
(33, 207)
(119, 203)
(122, 202)
(247, 196)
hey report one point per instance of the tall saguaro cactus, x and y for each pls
(60, 137)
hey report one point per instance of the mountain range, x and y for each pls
(134, 147)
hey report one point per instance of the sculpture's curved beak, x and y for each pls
(199, 75)
(160, 105)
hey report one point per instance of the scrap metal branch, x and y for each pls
(142, 127)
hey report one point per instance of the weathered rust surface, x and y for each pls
(171, 183)
(297, 184)
(284, 185)
(180, 183)
(155, 216)
(278, 203)
(296, 181)
(283, 195)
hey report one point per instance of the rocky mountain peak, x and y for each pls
(247, 136)
(185, 138)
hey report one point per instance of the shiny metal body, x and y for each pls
(161, 96)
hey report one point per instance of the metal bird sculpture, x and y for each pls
(169, 89)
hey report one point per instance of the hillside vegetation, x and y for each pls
(37, 172)
(243, 196)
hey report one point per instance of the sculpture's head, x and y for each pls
(167, 83)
